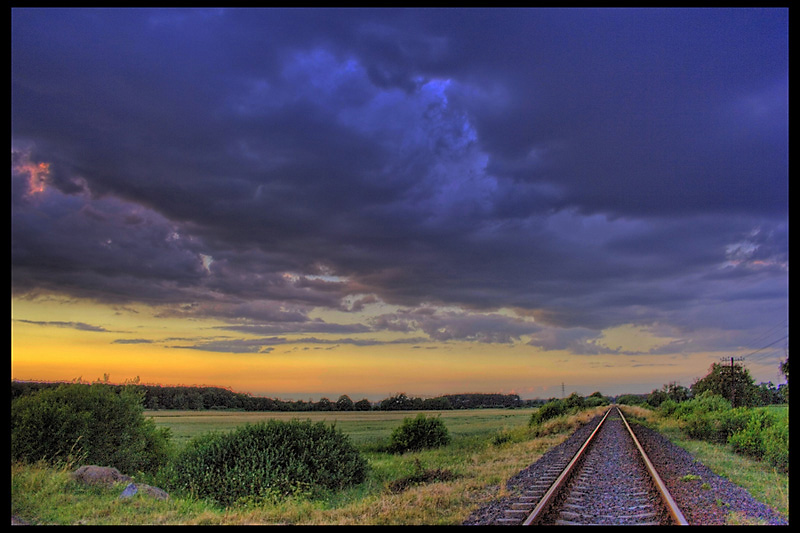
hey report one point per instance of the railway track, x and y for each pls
(609, 481)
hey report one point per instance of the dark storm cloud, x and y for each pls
(266, 345)
(593, 167)
(311, 326)
(81, 326)
(449, 325)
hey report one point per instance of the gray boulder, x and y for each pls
(148, 490)
(99, 475)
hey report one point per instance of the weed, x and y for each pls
(421, 475)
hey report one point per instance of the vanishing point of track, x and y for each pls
(609, 481)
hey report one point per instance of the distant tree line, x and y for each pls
(730, 381)
(156, 397)
(401, 402)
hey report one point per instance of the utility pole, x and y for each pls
(733, 387)
(733, 380)
(562, 390)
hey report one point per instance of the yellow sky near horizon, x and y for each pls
(50, 343)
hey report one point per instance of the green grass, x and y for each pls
(365, 428)
(477, 471)
(762, 481)
(45, 495)
(781, 411)
(478, 462)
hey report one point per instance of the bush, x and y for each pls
(418, 433)
(90, 423)
(668, 407)
(716, 425)
(574, 402)
(756, 432)
(631, 399)
(750, 440)
(265, 461)
(776, 446)
(703, 403)
(551, 409)
(594, 401)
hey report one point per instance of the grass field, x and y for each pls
(479, 465)
(365, 428)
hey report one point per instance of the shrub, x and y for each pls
(750, 440)
(594, 401)
(716, 425)
(267, 460)
(418, 433)
(631, 399)
(551, 409)
(91, 423)
(732, 421)
(776, 446)
(668, 407)
(703, 403)
(756, 432)
(575, 402)
(421, 475)
(501, 438)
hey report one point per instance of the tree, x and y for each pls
(194, 400)
(401, 402)
(677, 393)
(729, 381)
(363, 405)
(785, 372)
(669, 391)
(631, 399)
(657, 397)
(440, 403)
(574, 400)
(596, 399)
(324, 404)
(768, 394)
(344, 403)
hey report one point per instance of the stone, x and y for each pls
(129, 491)
(149, 490)
(99, 475)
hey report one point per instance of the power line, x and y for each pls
(769, 354)
(758, 340)
(767, 346)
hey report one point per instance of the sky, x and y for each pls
(308, 203)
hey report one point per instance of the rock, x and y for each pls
(129, 491)
(99, 475)
(154, 492)
(135, 488)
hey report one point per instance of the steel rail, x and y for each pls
(669, 502)
(550, 496)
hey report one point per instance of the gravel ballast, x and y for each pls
(704, 497)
